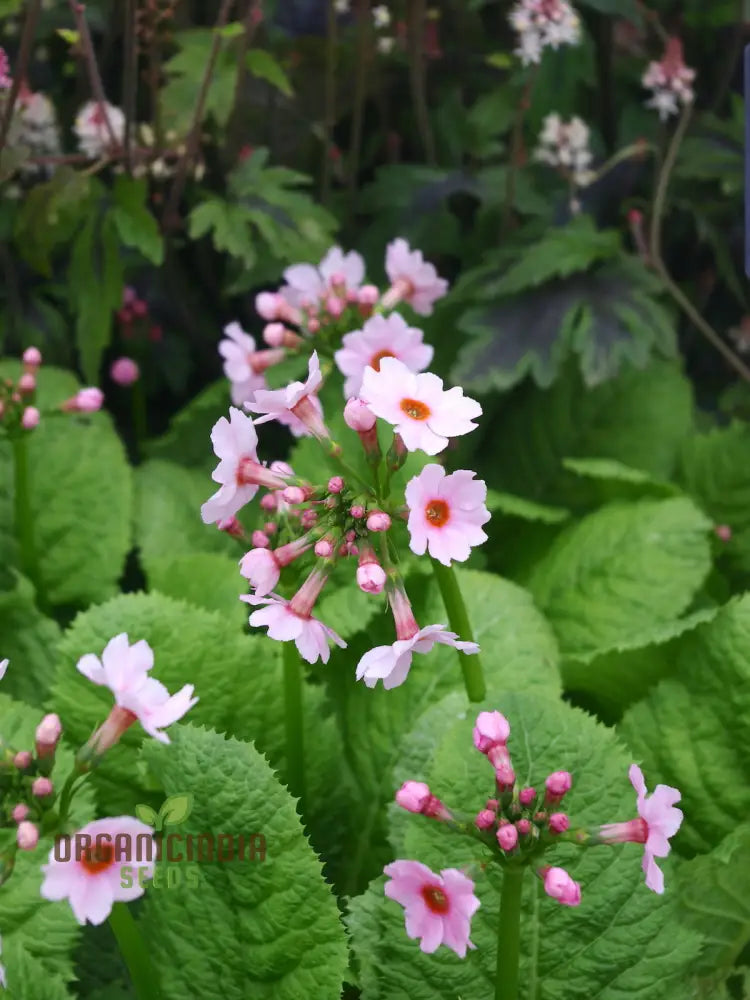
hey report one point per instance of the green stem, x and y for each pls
(140, 417)
(22, 509)
(134, 952)
(509, 936)
(293, 720)
(458, 617)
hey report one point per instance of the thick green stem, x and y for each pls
(509, 936)
(458, 617)
(22, 509)
(293, 720)
(134, 952)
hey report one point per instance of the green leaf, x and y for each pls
(714, 895)
(36, 933)
(209, 580)
(185, 72)
(146, 814)
(624, 568)
(68, 35)
(81, 513)
(135, 224)
(228, 226)
(187, 442)
(262, 64)
(29, 640)
(613, 480)
(281, 934)
(176, 809)
(527, 510)
(619, 942)
(693, 731)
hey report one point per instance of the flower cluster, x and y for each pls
(17, 410)
(670, 80)
(565, 145)
(100, 129)
(347, 517)
(519, 825)
(543, 24)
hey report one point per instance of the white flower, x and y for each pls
(566, 145)
(91, 129)
(381, 16)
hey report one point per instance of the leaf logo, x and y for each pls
(174, 811)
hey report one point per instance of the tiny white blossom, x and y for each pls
(381, 16)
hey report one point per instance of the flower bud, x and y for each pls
(557, 786)
(27, 383)
(260, 540)
(378, 520)
(294, 494)
(27, 836)
(371, 577)
(22, 760)
(335, 484)
(357, 510)
(413, 796)
(124, 371)
(560, 886)
(47, 736)
(507, 837)
(20, 812)
(558, 823)
(30, 418)
(485, 819)
(323, 548)
(267, 305)
(32, 358)
(524, 827)
(526, 796)
(491, 729)
(42, 788)
(358, 415)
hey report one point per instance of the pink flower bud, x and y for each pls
(22, 760)
(32, 358)
(335, 484)
(491, 729)
(27, 836)
(273, 334)
(723, 532)
(308, 518)
(507, 837)
(124, 371)
(139, 307)
(30, 418)
(20, 812)
(47, 735)
(313, 325)
(358, 415)
(492, 804)
(371, 577)
(323, 548)
(485, 819)
(27, 383)
(378, 521)
(294, 494)
(260, 540)
(560, 886)
(87, 400)
(42, 788)
(335, 306)
(523, 826)
(526, 796)
(231, 526)
(357, 510)
(558, 823)
(505, 776)
(268, 502)
(267, 305)
(413, 796)
(368, 295)
(557, 785)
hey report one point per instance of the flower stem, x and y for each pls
(293, 720)
(134, 952)
(458, 617)
(140, 416)
(22, 509)
(509, 936)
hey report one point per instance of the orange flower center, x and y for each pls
(98, 859)
(415, 409)
(377, 358)
(437, 512)
(435, 898)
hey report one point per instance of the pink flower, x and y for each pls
(416, 405)
(30, 418)
(358, 416)
(557, 785)
(438, 908)
(124, 669)
(93, 879)
(485, 819)
(240, 473)
(416, 797)
(293, 620)
(124, 371)
(262, 567)
(6, 80)
(560, 886)
(87, 400)
(507, 837)
(297, 406)
(380, 337)
(41, 787)
(3, 668)
(307, 284)
(446, 513)
(371, 576)
(47, 736)
(670, 80)
(27, 836)
(658, 820)
(391, 664)
(32, 358)
(491, 729)
(238, 351)
(412, 279)
(558, 823)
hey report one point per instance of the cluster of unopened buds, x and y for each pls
(348, 516)
(670, 80)
(519, 825)
(565, 145)
(543, 24)
(17, 410)
(91, 878)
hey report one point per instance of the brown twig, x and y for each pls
(329, 99)
(170, 218)
(95, 79)
(253, 17)
(418, 77)
(129, 77)
(19, 76)
(657, 260)
(516, 149)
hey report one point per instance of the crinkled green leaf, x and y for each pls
(262, 64)
(29, 640)
(281, 936)
(620, 942)
(188, 440)
(208, 580)
(527, 510)
(693, 730)
(624, 568)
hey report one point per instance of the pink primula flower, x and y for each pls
(380, 337)
(446, 513)
(438, 908)
(92, 880)
(240, 473)
(239, 353)
(560, 886)
(424, 414)
(309, 634)
(296, 405)
(412, 278)
(391, 664)
(307, 284)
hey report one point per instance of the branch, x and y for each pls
(129, 76)
(24, 55)
(95, 79)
